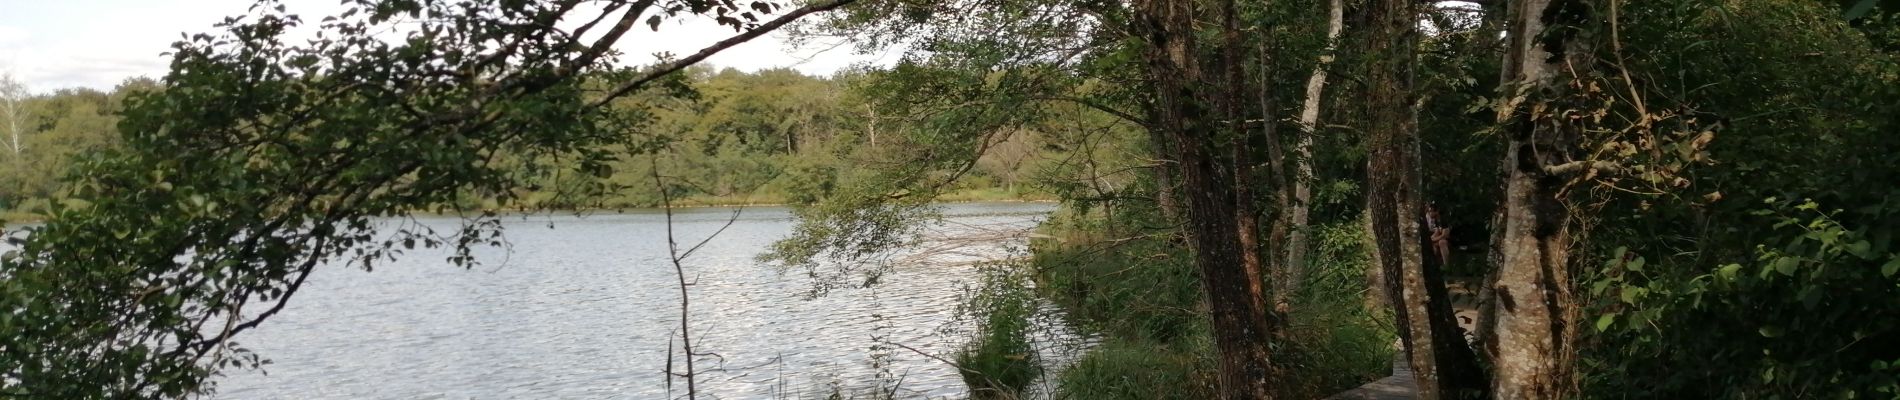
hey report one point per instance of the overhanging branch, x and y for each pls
(709, 51)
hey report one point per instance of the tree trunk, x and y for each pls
(1278, 271)
(1443, 364)
(1164, 172)
(1535, 311)
(1485, 328)
(1181, 113)
(1299, 210)
(1231, 97)
(871, 118)
(12, 94)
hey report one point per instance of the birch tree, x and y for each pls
(13, 95)
(1298, 209)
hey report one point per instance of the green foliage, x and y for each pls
(1335, 342)
(1000, 362)
(1137, 369)
(1138, 289)
(261, 160)
(1739, 290)
(1141, 286)
(1820, 296)
(774, 136)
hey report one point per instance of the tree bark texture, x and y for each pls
(1534, 325)
(1442, 362)
(1164, 172)
(1185, 111)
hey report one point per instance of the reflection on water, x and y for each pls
(586, 310)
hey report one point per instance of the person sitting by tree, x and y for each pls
(1441, 234)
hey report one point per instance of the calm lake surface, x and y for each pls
(586, 310)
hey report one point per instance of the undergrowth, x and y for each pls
(1129, 280)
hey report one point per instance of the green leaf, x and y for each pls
(1893, 265)
(1861, 248)
(1604, 322)
(1635, 265)
(1728, 272)
(1786, 265)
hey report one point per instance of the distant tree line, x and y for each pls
(773, 136)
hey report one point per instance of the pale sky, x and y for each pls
(52, 44)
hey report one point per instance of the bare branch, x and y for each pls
(1574, 167)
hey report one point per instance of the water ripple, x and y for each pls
(587, 310)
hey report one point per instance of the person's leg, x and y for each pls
(1444, 252)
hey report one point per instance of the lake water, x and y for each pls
(586, 309)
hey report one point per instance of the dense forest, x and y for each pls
(769, 137)
(1534, 198)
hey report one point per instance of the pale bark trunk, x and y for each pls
(1534, 324)
(1377, 298)
(1532, 289)
(13, 126)
(12, 94)
(872, 111)
(1298, 213)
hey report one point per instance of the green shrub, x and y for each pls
(1000, 361)
(1142, 293)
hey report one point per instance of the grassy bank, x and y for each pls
(1137, 289)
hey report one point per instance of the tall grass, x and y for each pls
(1001, 361)
(1136, 288)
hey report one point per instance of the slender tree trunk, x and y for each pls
(872, 111)
(1231, 100)
(11, 95)
(1183, 103)
(12, 110)
(1535, 310)
(1443, 364)
(13, 127)
(1299, 211)
(1277, 268)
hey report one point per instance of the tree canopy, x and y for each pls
(1665, 198)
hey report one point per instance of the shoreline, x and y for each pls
(11, 218)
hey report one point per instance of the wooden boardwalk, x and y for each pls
(1399, 386)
